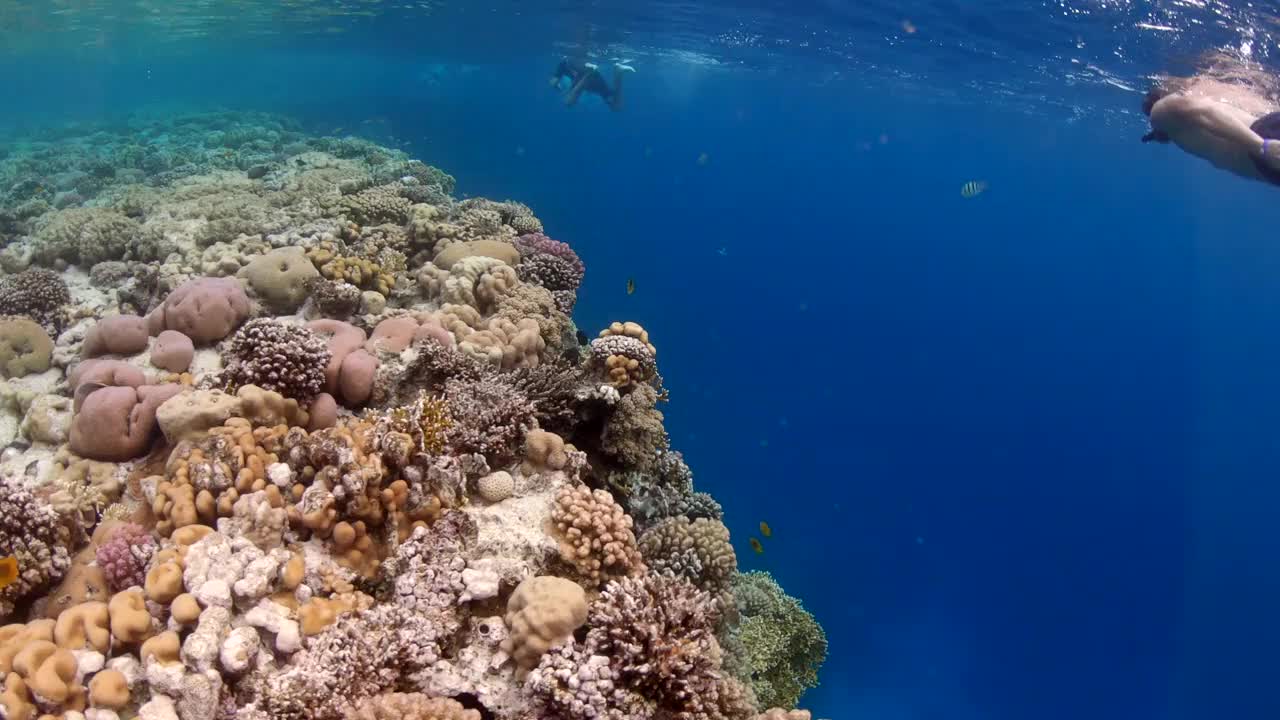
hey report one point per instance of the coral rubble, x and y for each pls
(292, 433)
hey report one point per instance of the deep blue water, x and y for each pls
(1019, 452)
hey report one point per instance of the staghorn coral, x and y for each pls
(595, 535)
(36, 293)
(776, 647)
(697, 550)
(282, 358)
(30, 531)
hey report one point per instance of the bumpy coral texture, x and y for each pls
(650, 652)
(410, 706)
(634, 434)
(553, 265)
(124, 556)
(36, 293)
(777, 645)
(30, 531)
(283, 358)
(697, 550)
(489, 418)
(85, 235)
(666, 491)
(595, 535)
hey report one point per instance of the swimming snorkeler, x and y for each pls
(1225, 115)
(585, 77)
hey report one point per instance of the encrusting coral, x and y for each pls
(293, 434)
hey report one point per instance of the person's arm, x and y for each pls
(1213, 117)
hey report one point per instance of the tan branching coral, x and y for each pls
(409, 706)
(595, 535)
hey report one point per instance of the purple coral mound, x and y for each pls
(553, 265)
(124, 556)
(285, 358)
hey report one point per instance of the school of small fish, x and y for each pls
(973, 189)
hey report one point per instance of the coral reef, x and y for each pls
(287, 359)
(775, 647)
(292, 433)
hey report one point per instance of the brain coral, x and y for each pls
(283, 358)
(25, 347)
(30, 531)
(37, 293)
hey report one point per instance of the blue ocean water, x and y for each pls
(1019, 451)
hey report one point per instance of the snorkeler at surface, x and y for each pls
(585, 77)
(1227, 121)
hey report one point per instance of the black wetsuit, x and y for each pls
(585, 79)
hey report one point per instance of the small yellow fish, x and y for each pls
(755, 545)
(765, 530)
(8, 571)
(973, 188)
(631, 285)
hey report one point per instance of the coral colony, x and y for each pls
(289, 432)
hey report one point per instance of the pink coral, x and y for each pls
(203, 309)
(118, 423)
(124, 556)
(553, 265)
(116, 335)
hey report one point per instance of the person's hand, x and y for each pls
(1271, 152)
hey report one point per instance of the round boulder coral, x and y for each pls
(204, 309)
(287, 359)
(281, 277)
